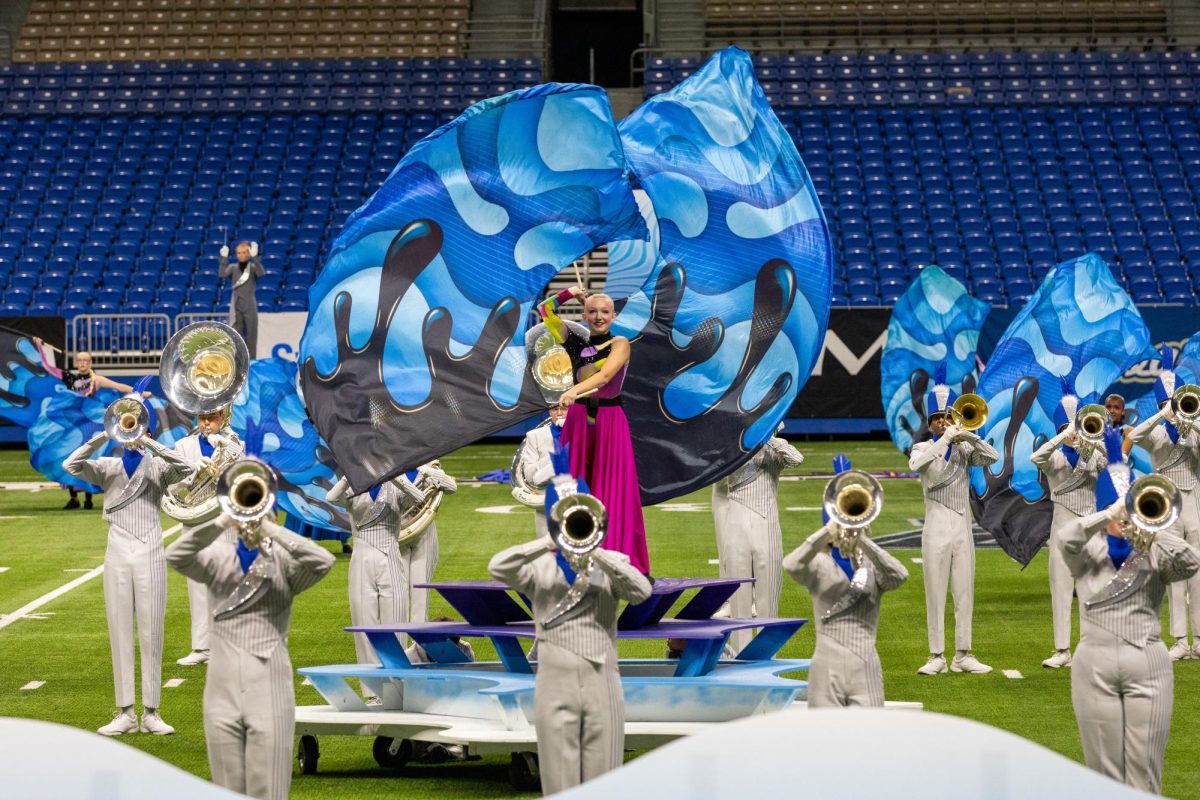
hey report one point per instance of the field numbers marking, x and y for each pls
(173, 683)
(28, 609)
(1012, 674)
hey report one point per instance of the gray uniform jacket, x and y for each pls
(754, 484)
(376, 522)
(243, 295)
(131, 504)
(947, 482)
(1072, 489)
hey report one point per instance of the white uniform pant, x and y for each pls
(198, 608)
(376, 579)
(579, 713)
(1062, 585)
(249, 720)
(838, 678)
(135, 587)
(948, 555)
(540, 530)
(1123, 697)
(419, 560)
(749, 546)
(1184, 596)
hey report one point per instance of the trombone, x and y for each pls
(852, 500)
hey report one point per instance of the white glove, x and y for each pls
(1117, 512)
(952, 432)
(217, 440)
(224, 251)
(440, 479)
(253, 249)
(203, 463)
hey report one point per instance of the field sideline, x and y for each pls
(66, 644)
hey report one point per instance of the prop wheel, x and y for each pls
(307, 754)
(391, 755)
(523, 772)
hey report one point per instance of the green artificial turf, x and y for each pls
(68, 648)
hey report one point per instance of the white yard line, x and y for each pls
(5, 569)
(1012, 673)
(174, 682)
(29, 687)
(17, 517)
(917, 560)
(27, 609)
(31, 486)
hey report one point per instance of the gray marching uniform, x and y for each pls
(135, 574)
(536, 468)
(377, 572)
(1122, 684)
(947, 545)
(749, 541)
(1180, 462)
(249, 696)
(1073, 492)
(578, 703)
(243, 307)
(189, 448)
(845, 669)
(420, 557)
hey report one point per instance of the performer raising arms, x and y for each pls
(1072, 478)
(1174, 448)
(1122, 685)
(846, 573)
(947, 545)
(596, 429)
(378, 576)
(212, 431)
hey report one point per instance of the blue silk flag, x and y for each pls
(1187, 370)
(303, 462)
(1080, 325)
(415, 338)
(727, 303)
(934, 322)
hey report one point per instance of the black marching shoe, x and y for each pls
(72, 503)
(87, 504)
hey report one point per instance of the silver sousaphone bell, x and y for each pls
(126, 420)
(203, 367)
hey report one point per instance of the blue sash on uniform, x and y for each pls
(843, 562)
(1118, 549)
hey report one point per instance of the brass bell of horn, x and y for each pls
(969, 412)
(203, 367)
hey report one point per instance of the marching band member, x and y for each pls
(947, 544)
(249, 700)
(377, 572)
(536, 469)
(846, 588)
(212, 431)
(1174, 449)
(578, 704)
(1122, 685)
(243, 307)
(1072, 478)
(749, 540)
(419, 556)
(135, 574)
(596, 428)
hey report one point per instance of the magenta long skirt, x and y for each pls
(602, 454)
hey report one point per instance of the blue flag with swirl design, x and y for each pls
(414, 343)
(1187, 370)
(1080, 325)
(727, 303)
(934, 322)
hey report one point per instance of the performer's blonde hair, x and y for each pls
(601, 295)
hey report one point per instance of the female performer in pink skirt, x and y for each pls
(596, 430)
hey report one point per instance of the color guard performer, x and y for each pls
(212, 432)
(1122, 684)
(846, 573)
(377, 572)
(1071, 474)
(749, 542)
(249, 699)
(579, 707)
(947, 544)
(1174, 447)
(135, 573)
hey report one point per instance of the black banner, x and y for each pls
(845, 380)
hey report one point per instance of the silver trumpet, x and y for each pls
(1153, 503)
(1185, 405)
(126, 420)
(246, 492)
(1089, 427)
(853, 499)
(578, 522)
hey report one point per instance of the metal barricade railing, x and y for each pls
(186, 318)
(120, 341)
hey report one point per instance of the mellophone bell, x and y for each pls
(249, 582)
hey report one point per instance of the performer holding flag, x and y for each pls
(947, 544)
(1072, 478)
(1174, 449)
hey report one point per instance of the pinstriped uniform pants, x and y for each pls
(579, 713)
(419, 561)
(376, 579)
(1184, 596)
(837, 678)
(249, 720)
(1062, 585)
(749, 546)
(1123, 697)
(948, 556)
(135, 588)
